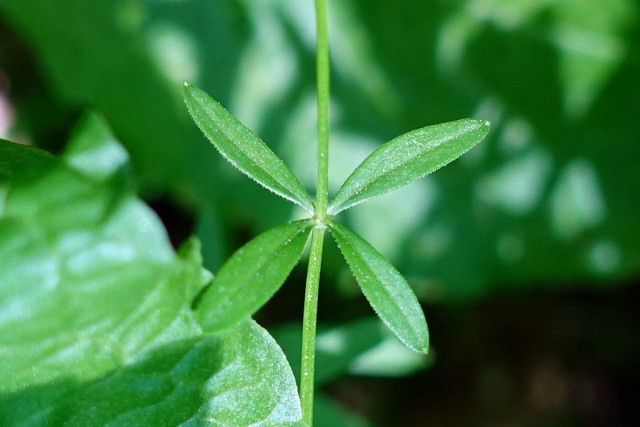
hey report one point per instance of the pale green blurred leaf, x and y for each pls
(329, 413)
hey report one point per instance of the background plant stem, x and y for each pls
(309, 324)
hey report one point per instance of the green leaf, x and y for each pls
(73, 41)
(328, 412)
(93, 151)
(387, 291)
(238, 377)
(243, 149)
(16, 158)
(96, 325)
(407, 158)
(252, 275)
(390, 359)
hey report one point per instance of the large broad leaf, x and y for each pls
(73, 41)
(238, 377)
(96, 325)
(243, 149)
(406, 158)
(387, 291)
(252, 275)
(16, 158)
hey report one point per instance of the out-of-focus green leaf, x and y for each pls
(387, 291)
(243, 149)
(544, 200)
(93, 150)
(128, 58)
(361, 347)
(209, 232)
(407, 158)
(96, 325)
(336, 347)
(252, 275)
(390, 359)
(16, 158)
(329, 413)
(357, 347)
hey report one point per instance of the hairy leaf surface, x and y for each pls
(387, 291)
(243, 149)
(252, 275)
(96, 325)
(407, 158)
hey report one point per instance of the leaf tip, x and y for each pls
(419, 345)
(483, 126)
(424, 348)
(186, 84)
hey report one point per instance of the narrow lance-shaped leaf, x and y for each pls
(407, 158)
(387, 291)
(252, 275)
(243, 149)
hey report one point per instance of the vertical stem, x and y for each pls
(310, 317)
(309, 325)
(322, 70)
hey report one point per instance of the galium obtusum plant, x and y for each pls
(255, 272)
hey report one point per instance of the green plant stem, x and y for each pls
(310, 317)
(309, 324)
(322, 70)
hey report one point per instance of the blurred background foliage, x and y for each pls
(525, 252)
